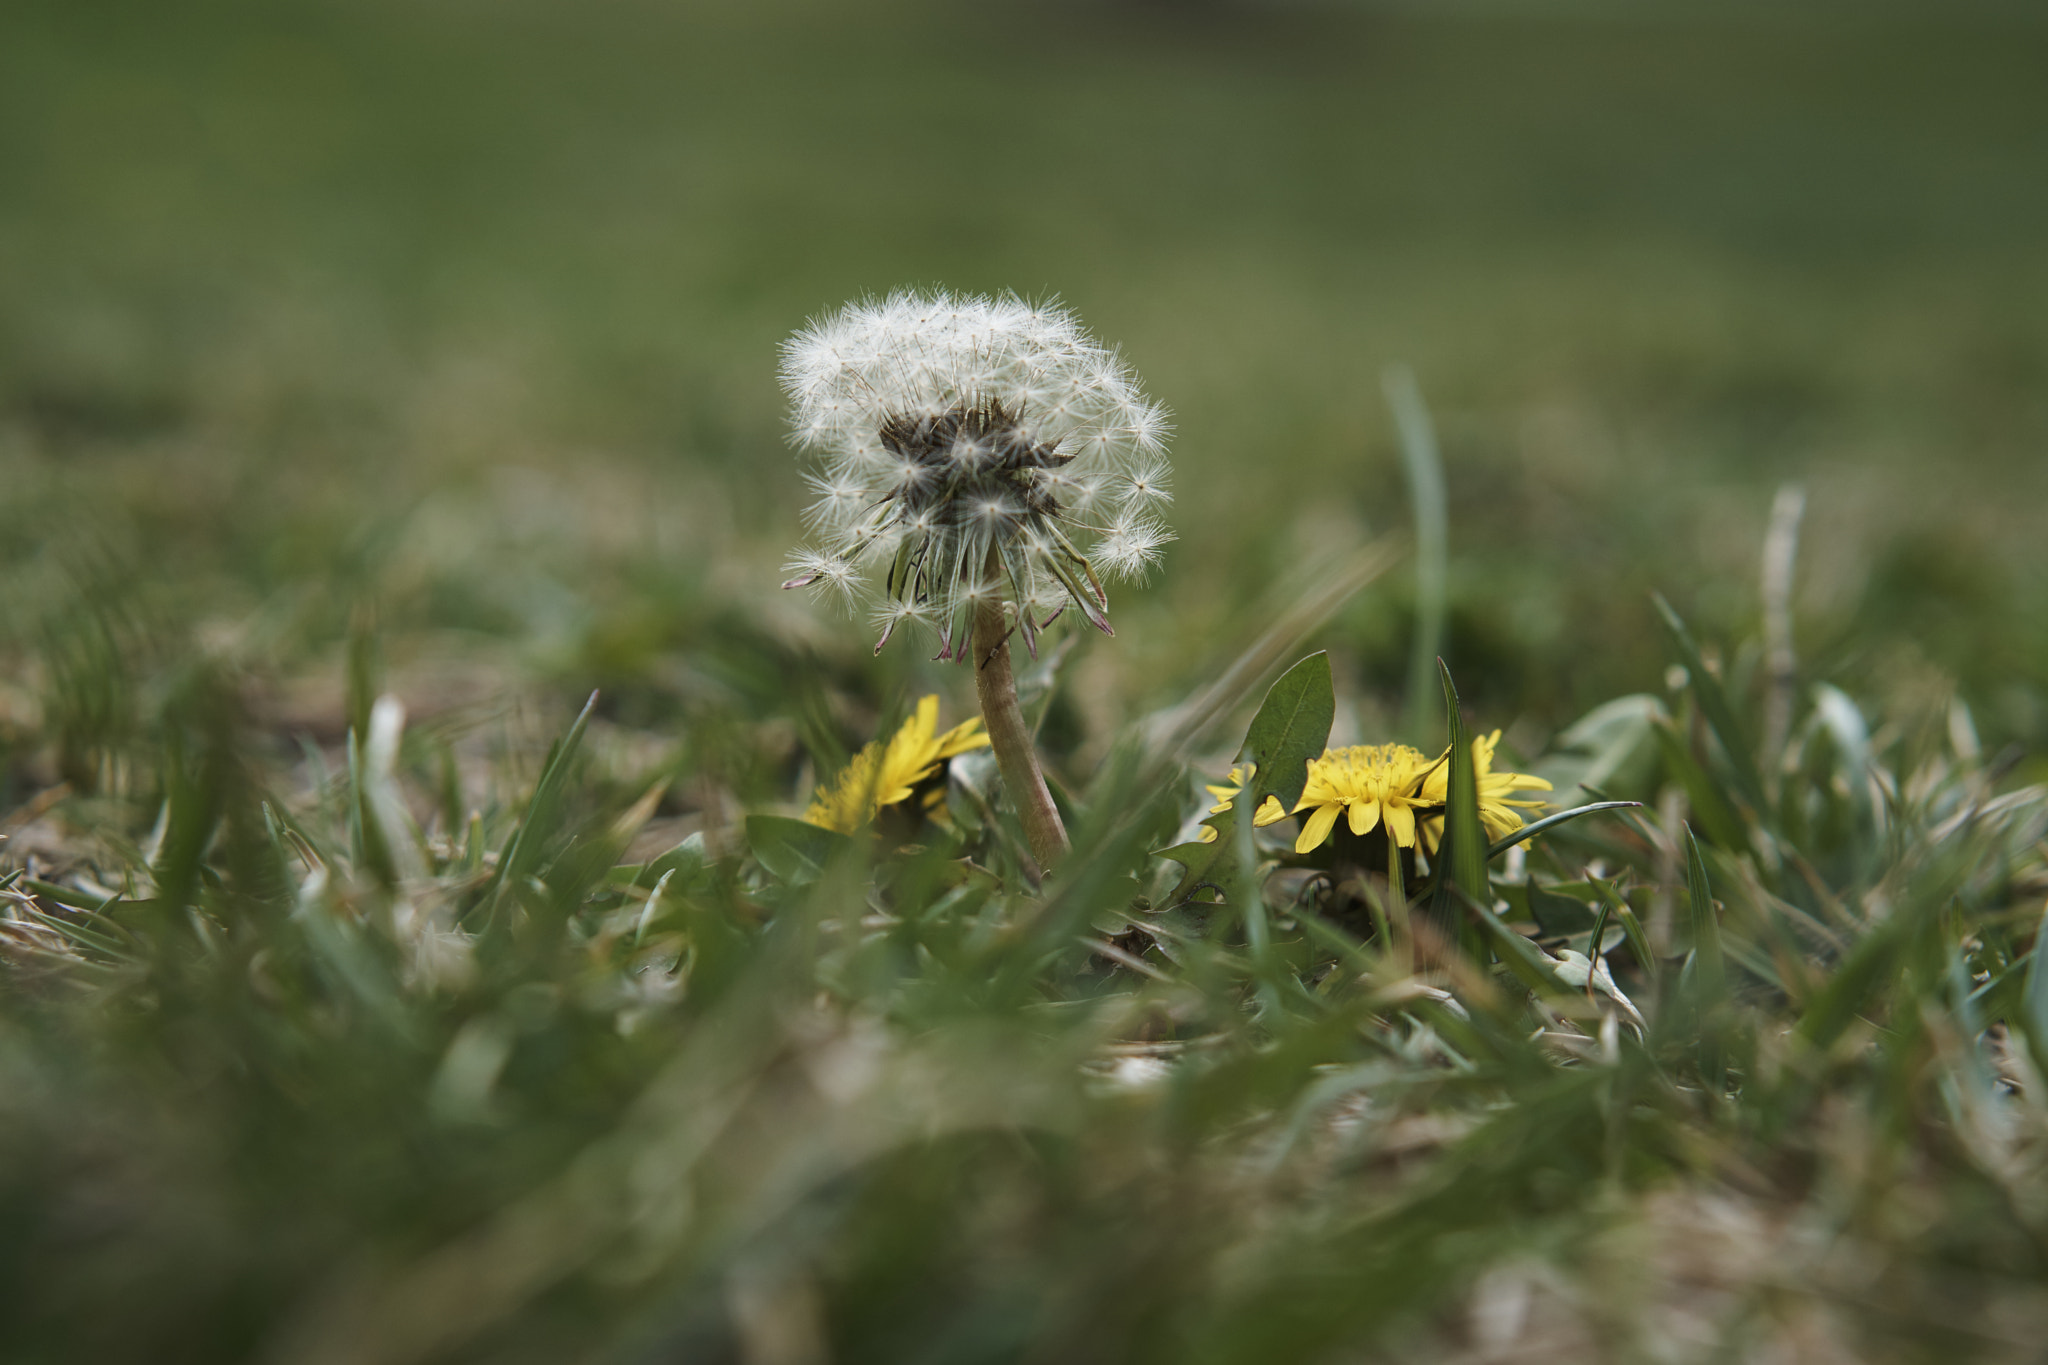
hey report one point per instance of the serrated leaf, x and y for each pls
(1209, 866)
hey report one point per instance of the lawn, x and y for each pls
(429, 353)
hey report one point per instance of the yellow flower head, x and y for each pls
(1496, 806)
(1270, 810)
(1367, 783)
(881, 776)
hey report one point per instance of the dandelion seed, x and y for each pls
(1148, 484)
(967, 446)
(1132, 545)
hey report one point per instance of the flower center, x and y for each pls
(969, 450)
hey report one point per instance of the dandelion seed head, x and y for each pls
(968, 445)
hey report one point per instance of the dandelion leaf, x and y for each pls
(1291, 728)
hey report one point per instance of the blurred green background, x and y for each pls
(460, 318)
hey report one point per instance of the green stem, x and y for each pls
(1010, 737)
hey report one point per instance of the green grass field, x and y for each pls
(430, 351)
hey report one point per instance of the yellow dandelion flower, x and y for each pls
(1496, 805)
(1368, 784)
(1270, 811)
(882, 775)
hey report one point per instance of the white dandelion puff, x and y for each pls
(966, 443)
(895, 613)
(1148, 484)
(835, 576)
(1131, 545)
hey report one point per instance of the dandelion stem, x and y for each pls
(1008, 735)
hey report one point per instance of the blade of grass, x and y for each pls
(1710, 972)
(1530, 831)
(1714, 705)
(543, 813)
(1422, 463)
(1461, 858)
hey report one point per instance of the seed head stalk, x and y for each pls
(1009, 736)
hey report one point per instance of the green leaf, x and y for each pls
(1706, 971)
(1710, 801)
(1522, 957)
(1638, 941)
(1424, 467)
(1714, 705)
(1609, 746)
(1461, 859)
(1291, 730)
(1210, 867)
(1710, 972)
(1558, 916)
(1530, 831)
(1597, 940)
(795, 851)
(543, 813)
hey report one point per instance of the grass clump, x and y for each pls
(416, 1047)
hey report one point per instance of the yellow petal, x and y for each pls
(1364, 815)
(1316, 829)
(961, 738)
(1270, 812)
(1401, 825)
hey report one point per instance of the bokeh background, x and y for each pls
(453, 324)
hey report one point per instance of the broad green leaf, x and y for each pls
(1291, 729)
